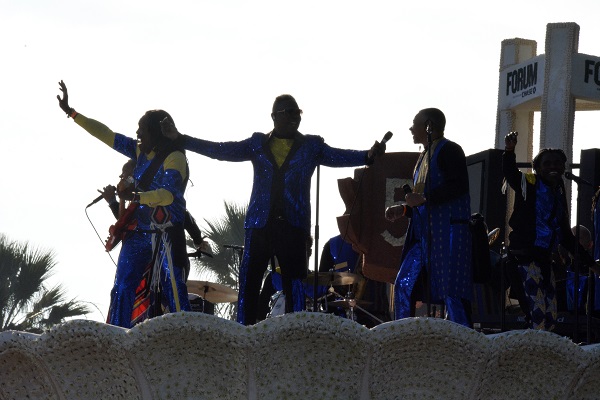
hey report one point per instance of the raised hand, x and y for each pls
(64, 102)
(510, 141)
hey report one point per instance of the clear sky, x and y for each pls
(356, 68)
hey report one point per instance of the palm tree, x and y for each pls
(227, 233)
(25, 302)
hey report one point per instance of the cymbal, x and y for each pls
(333, 278)
(213, 292)
(347, 303)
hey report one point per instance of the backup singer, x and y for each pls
(160, 214)
(441, 193)
(539, 222)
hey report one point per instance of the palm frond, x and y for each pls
(23, 296)
(225, 263)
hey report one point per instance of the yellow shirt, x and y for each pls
(176, 160)
(280, 149)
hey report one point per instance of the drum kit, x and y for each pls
(213, 292)
(203, 292)
(331, 300)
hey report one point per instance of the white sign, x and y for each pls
(585, 83)
(521, 83)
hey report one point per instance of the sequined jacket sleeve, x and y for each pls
(284, 190)
(174, 166)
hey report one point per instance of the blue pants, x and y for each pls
(135, 255)
(405, 282)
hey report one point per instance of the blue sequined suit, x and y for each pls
(279, 212)
(450, 270)
(136, 251)
(137, 248)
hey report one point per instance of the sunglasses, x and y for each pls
(293, 112)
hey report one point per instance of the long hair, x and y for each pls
(152, 119)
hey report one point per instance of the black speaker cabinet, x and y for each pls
(485, 186)
(589, 169)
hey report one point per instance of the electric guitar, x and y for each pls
(124, 224)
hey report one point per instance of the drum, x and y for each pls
(277, 304)
(198, 304)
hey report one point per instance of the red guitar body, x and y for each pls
(124, 224)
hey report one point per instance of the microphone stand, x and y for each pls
(577, 262)
(428, 212)
(316, 244)
(503, 259)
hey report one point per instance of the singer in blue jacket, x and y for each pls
(160, 215)
(278, 217)
(440, 197)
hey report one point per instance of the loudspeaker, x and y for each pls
(589, 169)
(485, 187)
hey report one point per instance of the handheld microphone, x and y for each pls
(385, 139)
(406, 210)
(397, 211)
(97, 199)
(576, 179)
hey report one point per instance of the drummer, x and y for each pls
(339, 256)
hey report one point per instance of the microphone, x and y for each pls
(97, 199)
(576, 179)
(400, 210)
(428, 126)
(406, 210)
(385, 139)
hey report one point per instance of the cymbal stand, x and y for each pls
(204, 297)
(352, 303)
(324, 297)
